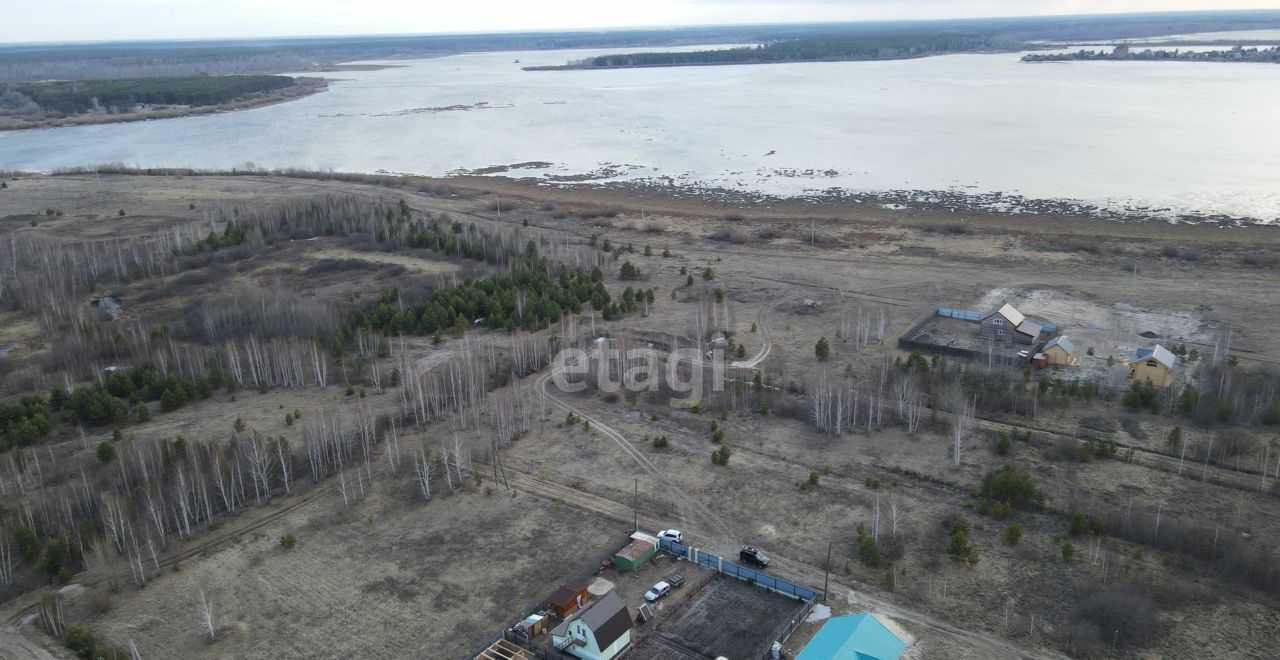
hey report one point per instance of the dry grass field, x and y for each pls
(391, 575)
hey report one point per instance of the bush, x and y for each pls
(1004, 446)
(1013, 534)
(80, 641)
(106, 451)
(813, 478)
(1013, 487)
(822, 349)
(660, 442)
(721, 455)
(1068, 551)
(56, 554)
(27, 542)
(868, 553)
(288, 540)
(958, 547)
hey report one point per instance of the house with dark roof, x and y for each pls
(568, 598)
(1153, 364)
(600, 631)
(1009, 325)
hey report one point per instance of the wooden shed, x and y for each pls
(1061, 351)
(568, 598)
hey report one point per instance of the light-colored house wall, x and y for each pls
(591, 650)
(1151, 370)
(1059, 355)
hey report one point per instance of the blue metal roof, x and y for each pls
(855, 637)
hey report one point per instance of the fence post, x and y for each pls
(720, 564)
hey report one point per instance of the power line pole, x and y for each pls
(826, 577)
(636, 504)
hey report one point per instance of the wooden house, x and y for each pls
(1060, 351)
(1009, 325)
(1153, 364)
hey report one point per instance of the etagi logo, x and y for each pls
(681, 371)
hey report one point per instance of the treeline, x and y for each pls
(72, 97)
(825, 48)
(527, 298)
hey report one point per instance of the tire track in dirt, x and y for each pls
(683, 500)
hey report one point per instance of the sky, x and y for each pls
(105, 20)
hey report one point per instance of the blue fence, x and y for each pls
(976, 317)
(729, 568)
(961, 314)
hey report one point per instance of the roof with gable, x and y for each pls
(855, 637)
(1157, 352)
(567, 594)
(1030, 328)
(607, 618)
(1061, 342)
(1010, 314)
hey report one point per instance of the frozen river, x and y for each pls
(1187, 137)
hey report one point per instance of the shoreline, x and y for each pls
(898, 200)
(1049, 217)
(304, 86)
(719, 204)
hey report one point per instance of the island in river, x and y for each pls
(78, 102)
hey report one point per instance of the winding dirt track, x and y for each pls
(985, 645)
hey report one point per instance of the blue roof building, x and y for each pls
(854, 637)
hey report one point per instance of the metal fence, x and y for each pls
(963, 315)
(976, 317)
(721, 565)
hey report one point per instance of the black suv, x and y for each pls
(750, 555)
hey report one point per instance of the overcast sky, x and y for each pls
(93, 20)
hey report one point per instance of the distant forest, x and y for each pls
(828, 48)
(32, 62)
(907, 39)
(71, 97)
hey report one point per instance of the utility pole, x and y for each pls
(826, 577)
(636, 506)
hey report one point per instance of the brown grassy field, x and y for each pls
(393, 576)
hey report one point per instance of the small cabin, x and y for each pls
(1153, 364)
(569, 598)
(1060, 351)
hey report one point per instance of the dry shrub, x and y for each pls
(1232, 444)
(649, 225)
(1119, 615)
(1260, 260)
(734, 217)
(1181, 252)
(340, 265)
(392, 270)
(949, 230)
(731, 235)
(769, 233)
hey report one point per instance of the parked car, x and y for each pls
(676, 581)
(673, 535)
(752, 556)
(657, 591)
